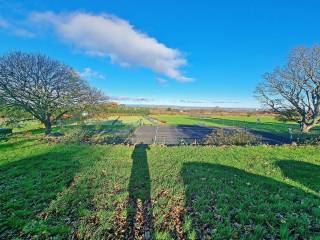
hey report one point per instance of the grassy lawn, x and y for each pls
(99, 192)
(267, 123)
(134, 119)
(33, 126)
(113, 128)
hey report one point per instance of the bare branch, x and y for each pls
(295, 87)
(44, 87)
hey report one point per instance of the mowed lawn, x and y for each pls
(261, 123)
(110, 192)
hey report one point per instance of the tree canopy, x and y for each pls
(294, 89)
(43, 87)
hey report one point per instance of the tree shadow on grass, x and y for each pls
(139, 209)
(13, 145)
(103, 126)
(27, 187)
(307, 174)
(223, 202)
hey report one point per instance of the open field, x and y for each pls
(266, 123)
(134, 120)
(266, 127)
(122, 119)
(159, 120)
(86, 191)
(94, 191)
(113, 126)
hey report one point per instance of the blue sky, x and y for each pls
(191, 53)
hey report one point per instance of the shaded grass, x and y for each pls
(111, 123)
(86, 192)
(224, 202)
(307, 174)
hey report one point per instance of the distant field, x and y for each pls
(264, 124)
(214, 120)
(261, 123)
(106, 122)
(136, 119)
(65, 191)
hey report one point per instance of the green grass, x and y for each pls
(123, 126)
(125, 120)
(108, 192)
(267, 123)
(189, 119)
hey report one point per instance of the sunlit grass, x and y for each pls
(263, 123)
(64, 191)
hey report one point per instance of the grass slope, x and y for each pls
(111, 192)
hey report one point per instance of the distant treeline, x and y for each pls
(121, 109)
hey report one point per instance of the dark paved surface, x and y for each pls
(175, 135)
(170, 135)
(271, 138)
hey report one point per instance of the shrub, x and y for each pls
(230, 137)
(3, 137)
(313, 140)
(95, 135)
(78, 135)
(107, 139)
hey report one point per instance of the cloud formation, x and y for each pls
(107, 35)
(131, 99)
(89, 74)
(206, 101)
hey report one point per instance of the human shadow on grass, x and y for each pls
(307, 174)
(28, 186)
(224, 202)
(139, 209)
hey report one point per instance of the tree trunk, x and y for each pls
(305, 128)
(48, 127)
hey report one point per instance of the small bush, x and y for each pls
(107, 139)
(78, 135)
(4, 134)
(313, 140)
(5, 131)
(96, 135)
(230, 137)
(4, 137)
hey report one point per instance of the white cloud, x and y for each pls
(207, 101)
(106, 35)
(130, 99)
(89, 74)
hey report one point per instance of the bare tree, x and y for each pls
(295, 88)
(44, 87)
